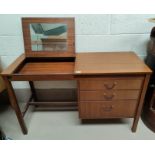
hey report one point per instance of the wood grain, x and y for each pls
(111, 83)
(109, 95)
(99, 63)
(15, 106)
(11, 68)
(107, 109)
(141, 103)
(40, 68)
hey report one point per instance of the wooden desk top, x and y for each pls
(94, 63)
(109, 63)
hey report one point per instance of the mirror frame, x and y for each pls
(70, 52)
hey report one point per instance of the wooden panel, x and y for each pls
(111, 83)
(109, 95)
(109, 63)
(10, 70)
(40, 68)
(107, 109)
(41, 77)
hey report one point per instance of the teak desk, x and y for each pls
(110, 85)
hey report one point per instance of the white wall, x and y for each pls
(93, 33)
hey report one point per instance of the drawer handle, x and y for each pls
(108, 108)
(110, 87)
(109, 97)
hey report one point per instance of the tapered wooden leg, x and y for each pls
(33, 90)
(14, 104)
(141, 101)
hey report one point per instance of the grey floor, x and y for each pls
(66, 125)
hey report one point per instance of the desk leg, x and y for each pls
(141, 101)
(14, 104)
(33, 90)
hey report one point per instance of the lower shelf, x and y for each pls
(54, 106)
(50, 106)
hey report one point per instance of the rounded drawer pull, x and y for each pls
(108, 108)
(110, 86)
(109, 97)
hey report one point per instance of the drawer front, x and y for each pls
(111, 83)
(109, 95)
(110, 109)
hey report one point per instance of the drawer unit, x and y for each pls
(111, 85)
(109, 97)
(107, 109)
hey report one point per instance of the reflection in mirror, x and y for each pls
(48, 36)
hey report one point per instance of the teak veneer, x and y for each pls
(109, 63)
(110, 85)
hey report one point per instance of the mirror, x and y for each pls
(48, 37)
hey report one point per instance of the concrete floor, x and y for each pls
(66, 125)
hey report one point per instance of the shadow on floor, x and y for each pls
(104, 121)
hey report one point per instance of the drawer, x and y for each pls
(111, 83)
(107, 109)
(103, 95)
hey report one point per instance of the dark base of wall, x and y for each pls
(60, 94)
(4, 100)
(2, 135)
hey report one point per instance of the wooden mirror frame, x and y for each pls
(70, 37)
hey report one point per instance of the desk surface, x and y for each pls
(109, 63)
(92, 63)
(44, 68)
